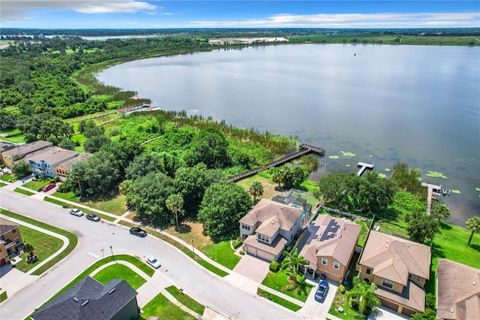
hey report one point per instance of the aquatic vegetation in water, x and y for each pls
(382, 175)
(436, 174)
(348, 154)
(478, 189)
(456, 191)
(370, 155)
(388, 170)
(347, 165)
(333, 157)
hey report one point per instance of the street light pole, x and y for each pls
(111, 250)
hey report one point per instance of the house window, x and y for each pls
(387, 284)
(369, 271)
(336, 265)
(324, 261)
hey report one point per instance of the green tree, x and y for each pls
(94, 143)
(422, 228)
(67, 144)
(148, 195)
(440, 212)
(152, 162)
(293, 260)
(209, 147)
(429, 314)
(362, 296)
(277, 176)
(256, 190)
(473, 224)
(407, 179)
(174, 203)
(21, 169)
(222, 207)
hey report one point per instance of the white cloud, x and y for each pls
(12, 10)
(353, 20)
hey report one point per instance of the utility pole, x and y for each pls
(111, 250)
(193, 247)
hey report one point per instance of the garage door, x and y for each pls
(389, 304)
(259, 253)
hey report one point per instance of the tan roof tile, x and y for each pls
(285, 216)
(275, 248)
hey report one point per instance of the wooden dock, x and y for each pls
(433, 190)
(304, 149)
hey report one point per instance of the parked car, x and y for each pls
(93, 217)
(322, 291)
(76, 212)
(49, 187)
(153, 262)
(136, 231)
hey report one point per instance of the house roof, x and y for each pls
(51, 155)
(6, 146)
(88, 299)
(6, 226)
(394, 258)
(24, 149)
(69, 163)
(272, 217)
(330, 237)
(412, 296)
(458, 291)
(275, 248)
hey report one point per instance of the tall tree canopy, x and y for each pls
(209, 147)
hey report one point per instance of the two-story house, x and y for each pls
(269, 227)
(330, 245)
(44, 162)
(10, 240)
(63, 169)
(11, 156)
(399, 268)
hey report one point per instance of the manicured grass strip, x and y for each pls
(23, 191)
(119, 271)
(43, 244)
(162, 308)
(2, 184)
(186, 300)
(125, 257)
(184, 249)
(69, 206)
(284, 303)
(279, 280)
(8, 178)
(222, 253)
(73, 240)
(3, 296)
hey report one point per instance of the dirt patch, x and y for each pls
(191, 230)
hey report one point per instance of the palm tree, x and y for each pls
(256, 190)
(174, 203)
(473, 224)
(293, 261)
(363, 296)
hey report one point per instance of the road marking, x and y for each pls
(94, 255)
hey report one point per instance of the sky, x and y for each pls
(133, 14)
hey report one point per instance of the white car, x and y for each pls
(153, 262)
(76, 212)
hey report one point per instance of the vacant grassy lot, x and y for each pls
(222, 253)
(279, 280)
(43, 246)
(186, 300)
(116, 205)
(119, 271)
(36, 184)
(161, 308)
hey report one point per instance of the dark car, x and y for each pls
(322, 291)
(138, 232)
(48, 187)
(93, 217)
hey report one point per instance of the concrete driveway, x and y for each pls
(384, 313)
(316, 310)
(252, 268)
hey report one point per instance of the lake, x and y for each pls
(415, 104)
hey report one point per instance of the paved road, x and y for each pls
(93, 237)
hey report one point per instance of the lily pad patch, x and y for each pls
(348, 154)
(456, 191)
(436, 174)
(333, 157)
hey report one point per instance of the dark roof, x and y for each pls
(6, 146)
(7, 226)
(88, 299)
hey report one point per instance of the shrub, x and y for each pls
(237, 243)
(341, 288)
(274, 266)
(242, 252)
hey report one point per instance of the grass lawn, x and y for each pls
(268, 185)
(133, 260)
(340, 300)
(37, 184)
(8, 178)
(222, 253)
(119, 271)
(2, 184)
(73, 240)
(186, 300)
(116, 205)
(162, 308)
(279, 280)
(67, 205)
(3, 296)
(43, 244)
(23, 191)
(363, 232)
(284, 303)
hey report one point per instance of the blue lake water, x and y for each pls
(416, 104)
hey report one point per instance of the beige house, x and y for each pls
(64, 168)
(330, 245)
(399, 268)
(10, 240)
(268, 228)
(15, 154)
(458, 291)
